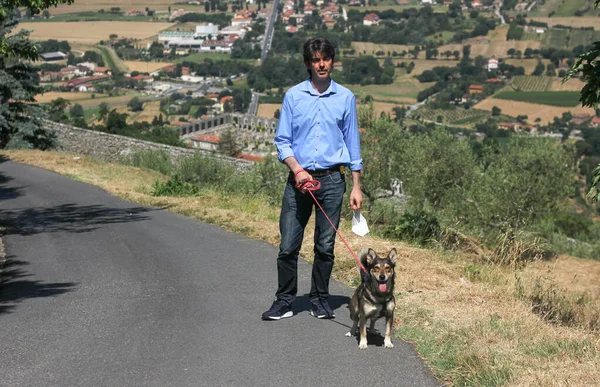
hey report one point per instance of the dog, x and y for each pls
(374, 297)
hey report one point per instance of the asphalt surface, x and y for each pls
(98, 291)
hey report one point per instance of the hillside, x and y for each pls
(472, 322)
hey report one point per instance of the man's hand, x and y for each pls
(301, 178)
(356, 198)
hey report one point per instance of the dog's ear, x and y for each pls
(371, 255)
(392, 256)
(367, 255)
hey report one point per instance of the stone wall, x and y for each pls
(112, 147)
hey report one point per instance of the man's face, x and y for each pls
(320, 67)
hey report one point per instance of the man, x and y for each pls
(317, 138)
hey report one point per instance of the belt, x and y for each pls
(325, 172)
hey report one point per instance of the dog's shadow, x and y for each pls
(302, 304)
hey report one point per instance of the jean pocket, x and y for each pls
(337, 178)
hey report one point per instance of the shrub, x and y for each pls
(418, 227)
(155, 160)
(175, 187)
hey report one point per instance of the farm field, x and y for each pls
(200, 56)
(92, 32)
(585, 21)
(144, 67)
(368, 48)
(574, 84)
(553, 98)
(404, 90)
(543, 83)
(52, 95)
(531, 83)
(527, 64)
(151, 110)
(496, 49)
(268, 109)
(94, 16)
(561, 38)
(458, 116)
(545, 113)
(422, 64)
(93, 5)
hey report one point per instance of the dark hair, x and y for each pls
(318, 45)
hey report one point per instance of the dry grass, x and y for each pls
(151, 110)
(496, 49)
(92, 32)
(371, 48)
(545, 112)
(71, 96)
(573, 84)
(93, 5)
(145, 67)
(449, 305)
(527, 64)
(585, 21)
(268, 109)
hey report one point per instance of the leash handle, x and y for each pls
(313, 185)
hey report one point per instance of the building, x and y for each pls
(53, 56)
(492, 64)
(85, 83)
(579, 119)
(371, 19)
(204, 38)
(475, 89)
(595, 122)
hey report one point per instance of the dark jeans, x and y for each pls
(296, 210)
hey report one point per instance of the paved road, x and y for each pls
(98, 291)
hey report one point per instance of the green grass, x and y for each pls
(92, 16)
(531, 83)
(200, 56)
(109, 59)
(556, 38)
(91, 114)
(569, 7)
(553, 98)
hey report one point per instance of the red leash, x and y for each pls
(313, 185)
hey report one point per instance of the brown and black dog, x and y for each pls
(374, 297)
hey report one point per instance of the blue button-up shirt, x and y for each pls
(319, 130)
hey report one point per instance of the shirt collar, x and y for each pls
(332, 89)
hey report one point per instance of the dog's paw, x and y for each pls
(388, 344)
(362, 345)
(348, 334)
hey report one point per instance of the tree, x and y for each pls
(228, 143)
(103, 112)
(21, 124)
(135, 104)
(496, 111)
(76, 111)
(590, 95)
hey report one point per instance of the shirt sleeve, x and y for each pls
(284, 136)
(351, 135)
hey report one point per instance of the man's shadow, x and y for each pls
(302, 303)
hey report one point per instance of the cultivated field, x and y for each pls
(368, 48)
(574, 84)
(496, 49)
(422, 64)
(527, 64)
(52, 95)
(552, 98)
(586, 21)
(545, 112)
(151, 110)
(458, 116)
(92, 32)
(404, 90)
(92, 5)
(144, 67)
(531, 83)
(268, 109)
